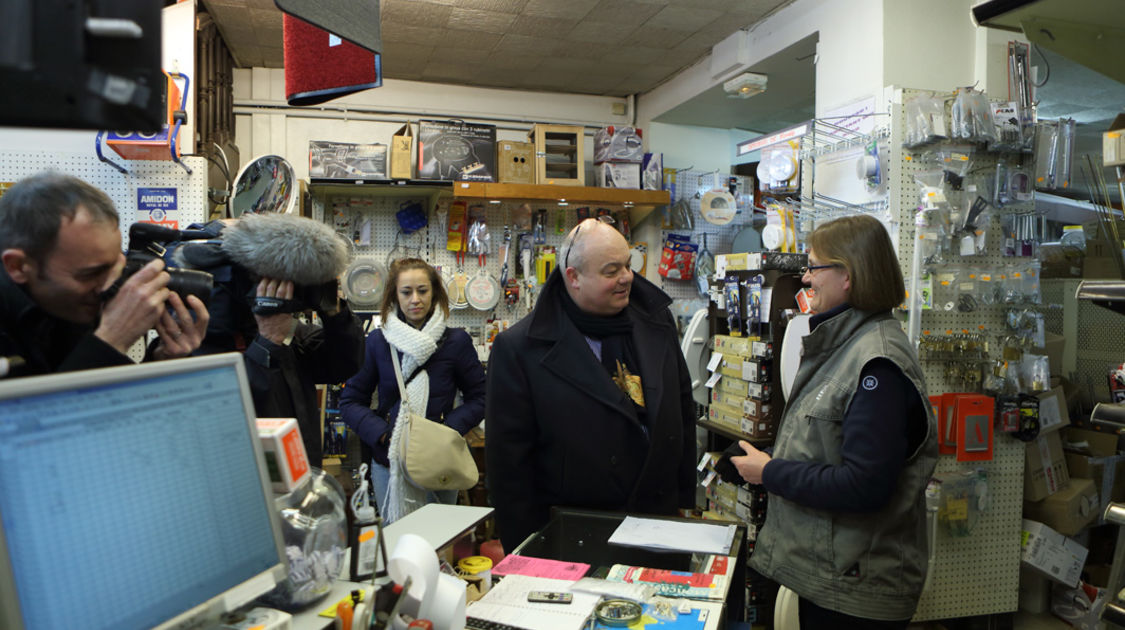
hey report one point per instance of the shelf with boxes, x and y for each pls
(746, 397)
(639, 203)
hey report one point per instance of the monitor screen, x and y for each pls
(130, 496)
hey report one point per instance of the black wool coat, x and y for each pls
(560, 433)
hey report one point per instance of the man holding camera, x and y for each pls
(60, 246)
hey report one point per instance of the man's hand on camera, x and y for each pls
(182, 333)
(277, 328)
(136, 308)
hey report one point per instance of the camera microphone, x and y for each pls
(286, 247)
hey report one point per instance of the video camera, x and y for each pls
(222, 263)
(148, 242)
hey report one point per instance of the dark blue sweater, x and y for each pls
(883, 425)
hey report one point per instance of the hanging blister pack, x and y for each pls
(732, 295)
(754, 304)
(925, 121)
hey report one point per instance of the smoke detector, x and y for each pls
(745, 85)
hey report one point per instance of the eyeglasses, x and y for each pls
(810, 268)
(604, 218)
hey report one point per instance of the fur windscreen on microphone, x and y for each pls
(286, 247)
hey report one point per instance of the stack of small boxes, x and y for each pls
(740, 399)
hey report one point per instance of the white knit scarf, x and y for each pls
(417, 347)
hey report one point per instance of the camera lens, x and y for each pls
(185, 282)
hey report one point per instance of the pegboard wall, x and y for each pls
(191, 190)
(691, 185)
(977, 574)
(386, 242)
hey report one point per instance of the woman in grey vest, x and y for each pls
(846, 527)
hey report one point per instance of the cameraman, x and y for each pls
(287, 358)
(61, 247)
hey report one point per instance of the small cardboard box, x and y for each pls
(285, 454)
(1113, 143)
(1081, 447)
(1053, 414)
(1049, 552)
(1045, 470)
(456, 150)
(344, 160)
(1068, 510)
(516, 162)
(615, 175)
(1054, 346)
(402, 153)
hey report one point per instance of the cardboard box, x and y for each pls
(1053, 414)
(1049, 552)
(515, 162)
(1081, 447)
(402, 153)
(1113, 143)
(1034, 591)
(614, 175)
(1069, 510)
(618, 144)
(344, 160)
(1045, 470)
(456, 150)
(286, 459)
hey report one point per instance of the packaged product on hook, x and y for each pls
(733, 298)
(1046, 154)
(964, 498)
(931, 187)
(971, 117)
(967, 290)
(945, 288)
(1031, 291)
(986, 287)
(925, 121)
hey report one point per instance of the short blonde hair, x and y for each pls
(861, 245)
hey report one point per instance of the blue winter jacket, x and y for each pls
(453, 367)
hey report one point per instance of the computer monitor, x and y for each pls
(133, 497)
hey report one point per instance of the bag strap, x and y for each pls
(398, 377)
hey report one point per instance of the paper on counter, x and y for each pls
(507, 603)
(539, 567)
(654, 533)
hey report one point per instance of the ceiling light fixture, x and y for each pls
(745, 85)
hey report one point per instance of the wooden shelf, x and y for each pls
(643, 201)
(730, 433)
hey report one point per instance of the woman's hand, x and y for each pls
(751, 464)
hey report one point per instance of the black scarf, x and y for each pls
(614, 331)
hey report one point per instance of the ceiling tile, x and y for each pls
(572, 9)
(623, 11)
(595, 85)
(273, 57)
(591, 30)
(612, 68)
(404, 67)
(503, 6)
(480, 20)
(582, 50)
(548, 81)
(655, 37)
(541, 26)
(400, 50)
(654, 72)
(636, 54)
(568, 64)
(468, 39)
(508, 61)
(462, 55)
(264, 5)
(683, 18)
(414, 12)
(411, 34)
(524, 43)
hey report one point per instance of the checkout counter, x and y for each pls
(572, 535)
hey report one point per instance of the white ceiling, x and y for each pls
(603, 47)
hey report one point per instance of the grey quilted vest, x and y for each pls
(864, 564)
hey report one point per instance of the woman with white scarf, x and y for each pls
(437, 362)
